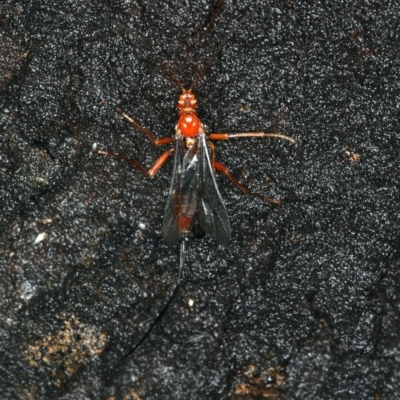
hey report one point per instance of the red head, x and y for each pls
(187, 100)
(188, 123)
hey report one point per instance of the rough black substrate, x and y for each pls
(305, 302)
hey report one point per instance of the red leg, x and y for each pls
(226, 136)
(157, 142)
(221, 168)
(151, 172)
(212, 147)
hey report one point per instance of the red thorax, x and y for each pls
(188, 123)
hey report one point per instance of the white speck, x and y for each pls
(142, 225)
(133, 378)
(94, 147)
(27, 291)
(191, 302)
(40, 238)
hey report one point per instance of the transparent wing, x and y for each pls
(182, 197)
(212, 212)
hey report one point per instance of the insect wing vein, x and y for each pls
(188, 189)
(182, 197)
(170, 229)
(212, 212)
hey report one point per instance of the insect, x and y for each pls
(193, 185)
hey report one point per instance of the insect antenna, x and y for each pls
(219, 49)
(167, 305)
(171, 72)
(138, 37)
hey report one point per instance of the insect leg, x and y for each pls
(226, 136)
(221, 168)
(151, 172)
(157, 142)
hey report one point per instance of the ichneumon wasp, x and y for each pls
(193, 186)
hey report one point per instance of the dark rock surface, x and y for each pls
(305, 302)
